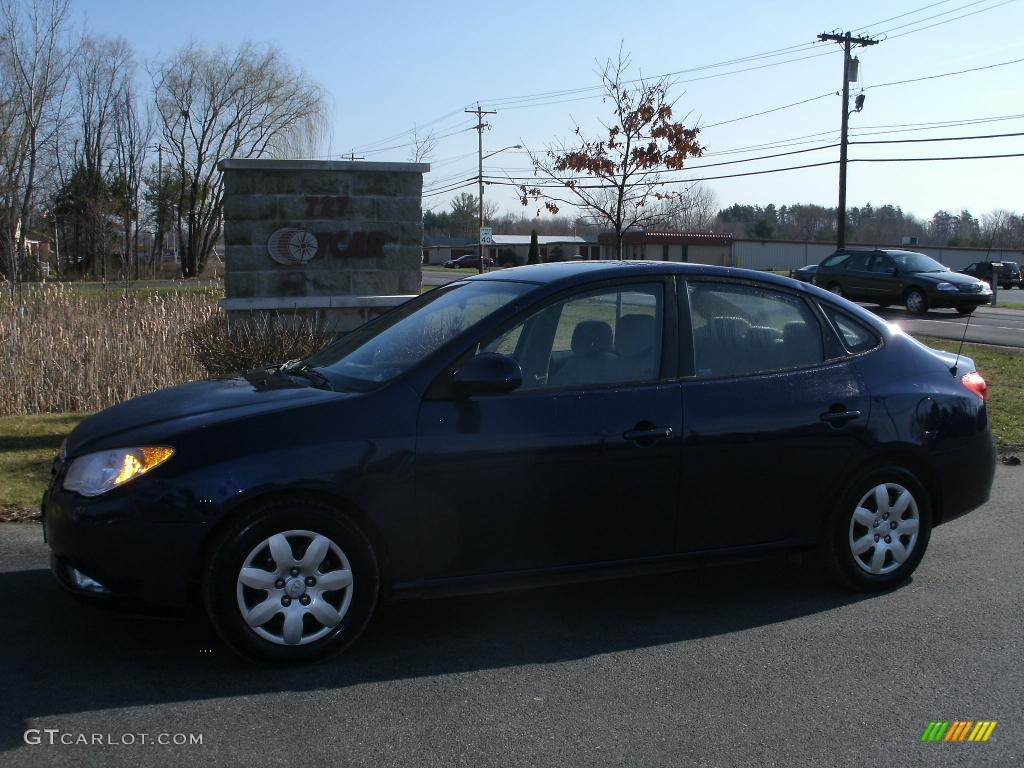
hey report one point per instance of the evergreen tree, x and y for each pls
(534, 256)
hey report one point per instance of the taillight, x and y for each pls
(976, 383)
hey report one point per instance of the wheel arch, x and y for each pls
(908, 457)
(244, 506)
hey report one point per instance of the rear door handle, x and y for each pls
(838, 418)
(647, 435)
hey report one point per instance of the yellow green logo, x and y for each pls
(959, 730)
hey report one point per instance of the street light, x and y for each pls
(480, 245)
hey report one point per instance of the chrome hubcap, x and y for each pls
(884, 528)
(294, 587)
(915, 302)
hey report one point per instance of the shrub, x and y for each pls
(258, 341)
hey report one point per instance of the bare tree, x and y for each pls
(133, 132)
(617, 178)
(35, 62)
(210, 106)
(692, 210)
(423, 146)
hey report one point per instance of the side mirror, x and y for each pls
(487, 374)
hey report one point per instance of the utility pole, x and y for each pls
(480, 125)
(352, 156)
(847, 40)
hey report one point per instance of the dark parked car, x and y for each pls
(1006, 272)
(1009, 275)
(527, 424)
(805, 274)
(470, 261)
(887, 277)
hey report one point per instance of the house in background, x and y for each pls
(438, 250)
(665, 245)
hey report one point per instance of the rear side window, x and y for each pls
(743, 330)
(856, 336)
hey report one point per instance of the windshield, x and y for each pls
(394, 343)
(917, 262)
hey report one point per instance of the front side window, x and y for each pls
(610, 336)
(908, 261)
(882, 265)
(858, 262)
(742, 330)
(381, 350)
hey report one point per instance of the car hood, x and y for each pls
(956, 278)
(198, 403)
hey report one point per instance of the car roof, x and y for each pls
(571, 271)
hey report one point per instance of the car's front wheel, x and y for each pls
(291, 582)
(916, 302)
(836, 288)
(879, 530)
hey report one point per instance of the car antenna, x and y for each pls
(952, 370)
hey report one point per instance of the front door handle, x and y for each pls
(647, 435)
(837, 418)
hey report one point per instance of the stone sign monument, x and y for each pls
(341, 241)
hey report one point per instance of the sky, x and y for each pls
(390, 66)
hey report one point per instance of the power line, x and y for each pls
(933, 159)
(794, 152)
(902, 15)
(512, 183)
(934, 16)
(768, 111)
(948, 21)
(946, 74)
(939, 138)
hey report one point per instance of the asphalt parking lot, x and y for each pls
(754, 664)
(987, 325)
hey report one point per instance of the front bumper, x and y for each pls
(110, 542)
(951, 300)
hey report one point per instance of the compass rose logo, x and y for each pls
(291, 246)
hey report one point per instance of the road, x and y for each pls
(987, 326)
(759, 664)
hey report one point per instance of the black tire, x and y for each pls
(221, 576)
(835, 288)
(965, 310)
(916, 301)
(841, 530)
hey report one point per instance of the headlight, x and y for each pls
(946, 287)
(99, 472)
(986, 288)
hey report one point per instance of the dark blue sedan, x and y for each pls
(523, 425)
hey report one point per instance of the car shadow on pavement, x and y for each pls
(60, 656)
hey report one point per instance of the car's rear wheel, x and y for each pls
(291, 582)
(879, 530)
(835, 288)
(916, 302)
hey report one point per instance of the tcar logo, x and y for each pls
(290, 245)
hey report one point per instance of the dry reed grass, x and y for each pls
(63, 349)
